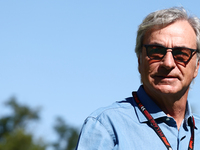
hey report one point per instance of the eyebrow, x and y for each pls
(158, 44)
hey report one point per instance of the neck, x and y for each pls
(172, 105)
(177, 111)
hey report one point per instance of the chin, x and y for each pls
(167, 89)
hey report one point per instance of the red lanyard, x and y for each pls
(157, 128)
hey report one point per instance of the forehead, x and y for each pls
(179, 33)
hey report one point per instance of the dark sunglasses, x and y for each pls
(180, 54)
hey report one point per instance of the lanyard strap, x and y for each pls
(191, 143)
(157, 128)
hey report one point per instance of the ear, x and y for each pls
(196, 70)
(139, 63)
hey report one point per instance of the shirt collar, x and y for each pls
(153, 108)
(188, 113)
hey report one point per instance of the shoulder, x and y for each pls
(111, 119)
(113, 110)
(113, 115)
(102, 126)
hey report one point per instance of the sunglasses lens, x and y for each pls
(182, 54)
(155, 52)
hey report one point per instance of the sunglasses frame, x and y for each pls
(193, 51)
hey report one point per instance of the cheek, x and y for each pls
(146, 68)
(191, 70)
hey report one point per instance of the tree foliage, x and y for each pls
(67, 136)
(19, 118)
(20, 140)
(14, 134)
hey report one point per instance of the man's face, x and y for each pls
(167, 76)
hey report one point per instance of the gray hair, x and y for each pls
(163, 18)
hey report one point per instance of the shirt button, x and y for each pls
(167, 119)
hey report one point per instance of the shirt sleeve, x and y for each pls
(94, 136)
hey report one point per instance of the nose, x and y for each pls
(168, 61)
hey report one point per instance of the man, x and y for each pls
(158, 116)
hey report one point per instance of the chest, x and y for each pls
(142, 136)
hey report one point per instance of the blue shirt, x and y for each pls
(122, 126)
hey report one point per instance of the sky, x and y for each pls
(70, 57)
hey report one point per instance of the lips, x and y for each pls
(160, 76)
(169, 77)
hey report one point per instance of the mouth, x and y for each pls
(165, 77)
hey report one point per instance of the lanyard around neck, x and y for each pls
(157, 128)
